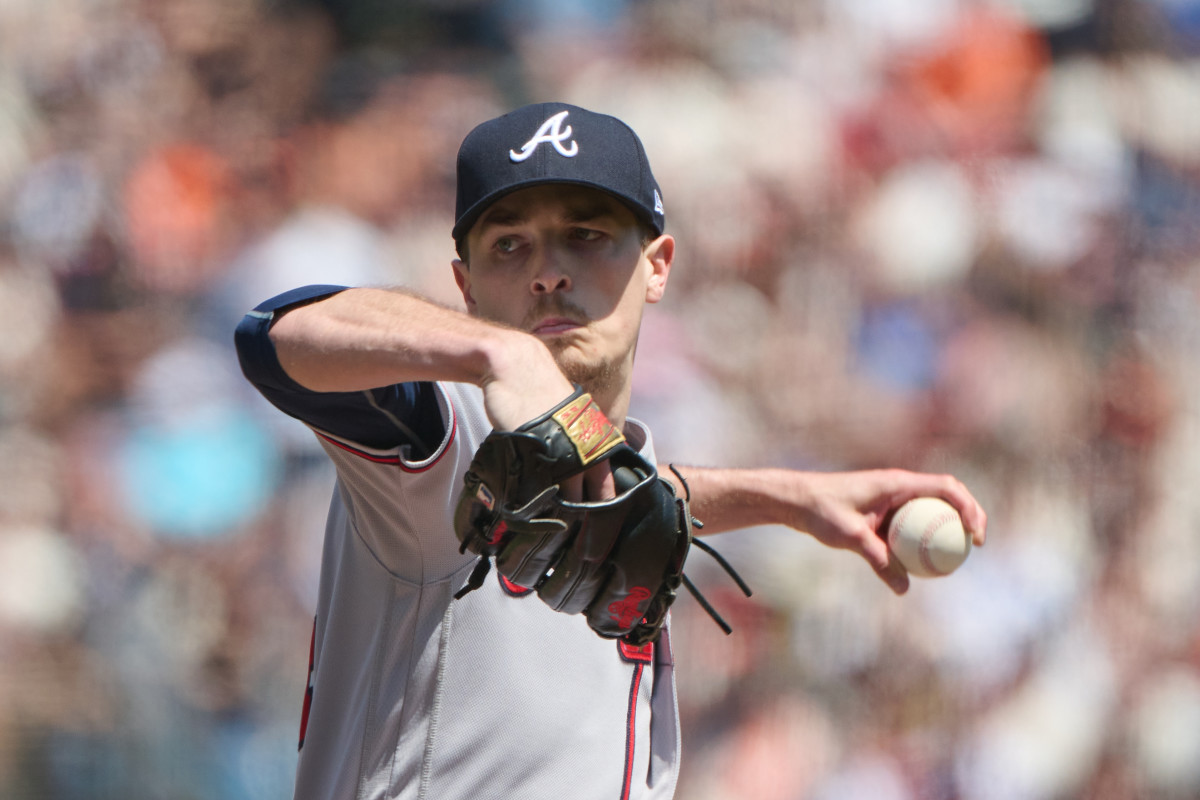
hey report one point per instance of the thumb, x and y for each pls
(599, 484)
(572, 489)
(881, 558)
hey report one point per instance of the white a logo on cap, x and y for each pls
(553, 133)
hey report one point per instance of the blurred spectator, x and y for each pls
(176, 208)
(347, 166)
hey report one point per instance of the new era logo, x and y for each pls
(553, 133)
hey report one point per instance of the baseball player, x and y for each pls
(502, 693)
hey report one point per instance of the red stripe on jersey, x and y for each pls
(512, 588)
(361, 453)
(308, 693)
(396, 459)
(636, 655)
(631, 731)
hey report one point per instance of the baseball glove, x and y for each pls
(617, 561)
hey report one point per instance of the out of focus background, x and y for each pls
(946, 235)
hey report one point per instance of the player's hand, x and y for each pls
(522, 382)
(849, 510)
(525, 383)
(593, 486)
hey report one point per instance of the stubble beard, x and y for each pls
(598, 378)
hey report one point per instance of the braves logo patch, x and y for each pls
(552, 133)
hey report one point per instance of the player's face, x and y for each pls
(569, 265)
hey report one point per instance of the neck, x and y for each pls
(611, 386)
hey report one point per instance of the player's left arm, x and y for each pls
(844, 510)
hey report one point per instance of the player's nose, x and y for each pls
(549, 271)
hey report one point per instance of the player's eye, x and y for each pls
(506, 244)
(586, 234)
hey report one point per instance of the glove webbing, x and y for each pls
(725, 565)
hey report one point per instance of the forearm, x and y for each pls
(842, 509)
(726, 499)
(366, 338)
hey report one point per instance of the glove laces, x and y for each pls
(725, 565)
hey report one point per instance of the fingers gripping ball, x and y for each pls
(926, 534)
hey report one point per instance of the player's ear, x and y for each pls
(462, 276)
(660, 254)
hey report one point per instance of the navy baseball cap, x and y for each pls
(553, 143)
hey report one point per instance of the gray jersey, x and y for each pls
(416, 695)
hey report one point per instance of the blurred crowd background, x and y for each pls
(946, 235)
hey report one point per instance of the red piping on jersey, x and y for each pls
(635, 654)
(511, 588)
(308, 693)
(445, 448)
(360, 453)
(631, 731)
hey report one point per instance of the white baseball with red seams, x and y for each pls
(927, 535)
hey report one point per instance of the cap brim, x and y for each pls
(472, 214)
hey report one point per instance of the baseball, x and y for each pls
(927, 536)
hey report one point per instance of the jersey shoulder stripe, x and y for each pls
(393, 456)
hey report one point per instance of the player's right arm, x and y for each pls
(843, 510)
(362, 339)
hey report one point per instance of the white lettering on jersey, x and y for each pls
(553, 133)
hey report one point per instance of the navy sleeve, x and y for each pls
(406, 414)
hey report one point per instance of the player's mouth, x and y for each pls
(552, 326)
